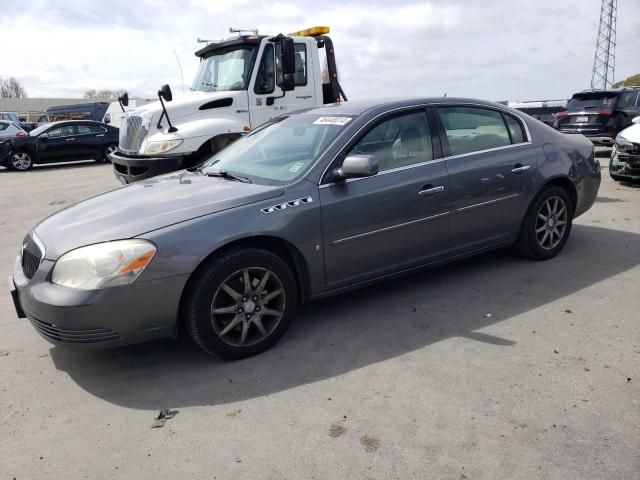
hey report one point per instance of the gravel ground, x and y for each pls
(490, 368)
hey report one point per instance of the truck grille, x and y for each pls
(31, 256)
(132, 134)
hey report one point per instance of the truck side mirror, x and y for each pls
(124, 99)
(165, 92)
(288, 62)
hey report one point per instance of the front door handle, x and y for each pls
(520, 168)
(101, 135)
(70, 139)
(430, 190)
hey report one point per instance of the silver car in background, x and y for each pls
(9, 129)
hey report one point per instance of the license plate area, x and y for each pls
(582, 119)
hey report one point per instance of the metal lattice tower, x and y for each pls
(604, 63)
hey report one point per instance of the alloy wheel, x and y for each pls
(248, 306)
(21, 161)
(551, 222)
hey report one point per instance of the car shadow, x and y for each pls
(347, 332)
(54, 166)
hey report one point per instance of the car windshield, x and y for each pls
(585, 101)
(228, 69)
(37, 131)
(280, 151)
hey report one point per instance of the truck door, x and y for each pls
(265, 95)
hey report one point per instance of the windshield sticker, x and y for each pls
(340, 121)
(296, 166)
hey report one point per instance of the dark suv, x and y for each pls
(600, 114)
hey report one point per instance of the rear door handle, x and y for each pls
(429, 190)
(70, 139)
(520, 168)
(101, 135)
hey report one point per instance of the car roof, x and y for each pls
(358, 107)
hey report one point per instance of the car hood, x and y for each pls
(148, 205)
(631, 133)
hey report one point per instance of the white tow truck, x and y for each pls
(241, 83)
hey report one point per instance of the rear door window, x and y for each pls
(473, 129)
(3, 126)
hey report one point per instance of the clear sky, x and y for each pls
(498, 49)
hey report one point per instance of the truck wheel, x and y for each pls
(240, 303)
(547, 224)
(21, 160)
(107, 151)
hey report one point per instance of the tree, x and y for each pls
(632, 81)
(103, 94)
(12, 88)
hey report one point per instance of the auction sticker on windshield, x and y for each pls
(341, 121)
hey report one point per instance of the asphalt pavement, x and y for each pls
(495, 367)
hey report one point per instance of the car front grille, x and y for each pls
(31, 256)
(67, 335)
(132, 134)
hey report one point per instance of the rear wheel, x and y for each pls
(107, 151)
(547, 224)
(21, 160)
(240, 303)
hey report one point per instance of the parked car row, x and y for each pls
(59, 142)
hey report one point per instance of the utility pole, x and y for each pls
(604, 62)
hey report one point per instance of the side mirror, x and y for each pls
(357, 166)
(44, 136)
(123, 100)
(635, 120)
(165, 92)
(288, 62)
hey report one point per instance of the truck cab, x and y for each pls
(241, 83)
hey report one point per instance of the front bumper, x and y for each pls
(109, 317)
(129, 169)
(624, 166)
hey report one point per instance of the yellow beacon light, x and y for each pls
(311, 32)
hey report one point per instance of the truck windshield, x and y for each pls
(278, 152)
(228, 69)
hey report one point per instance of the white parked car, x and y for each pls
(625, 158)
(9, 129)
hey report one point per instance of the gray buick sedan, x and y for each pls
(310, 204)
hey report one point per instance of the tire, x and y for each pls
(21, 161)
(541, 239)
(247, 322)
(108, 149)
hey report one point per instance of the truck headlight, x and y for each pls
(103, 264)
(153, 148)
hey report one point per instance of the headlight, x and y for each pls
(103, 264)
(623, 144)
(153, 148)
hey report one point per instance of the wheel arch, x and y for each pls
(276, 245)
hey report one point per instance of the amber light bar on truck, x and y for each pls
(311, 32)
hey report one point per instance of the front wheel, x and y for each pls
(21, 161)
(240, 303)
(547, 224)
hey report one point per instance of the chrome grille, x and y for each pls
(132, 134)
(31, 256)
